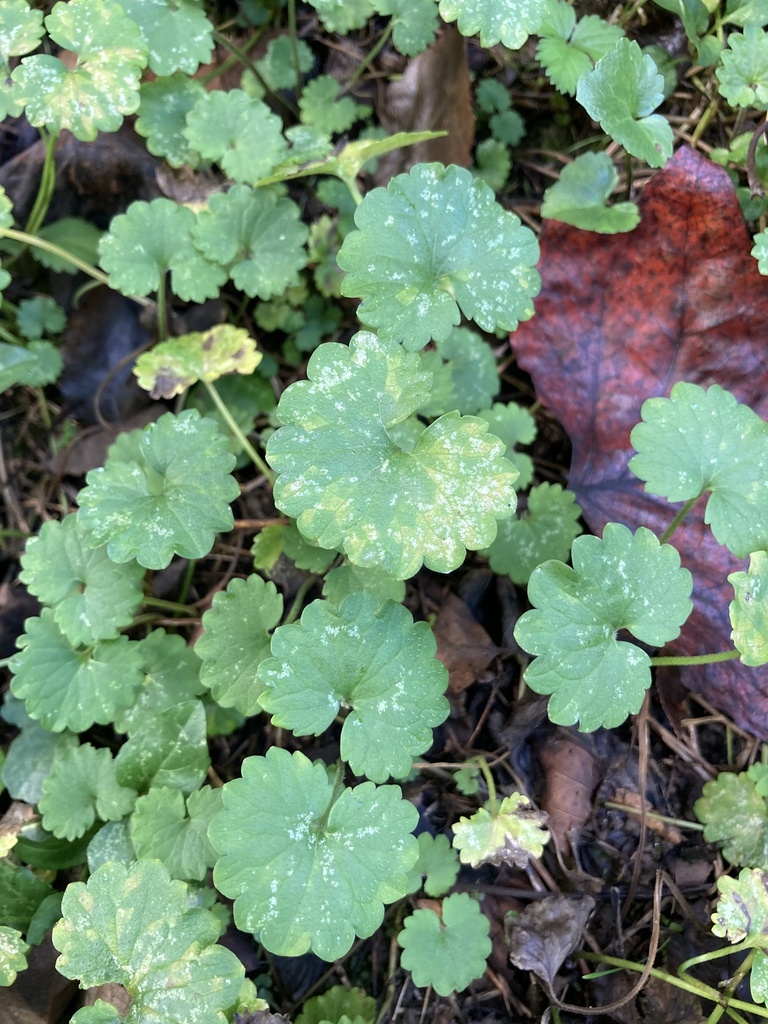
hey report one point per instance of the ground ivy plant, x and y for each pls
(388, 455)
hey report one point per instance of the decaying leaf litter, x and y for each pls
(618, 802)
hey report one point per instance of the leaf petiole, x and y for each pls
(695, 659)
(682, 513)
(226, 415)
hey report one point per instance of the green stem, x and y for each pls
(246, 61)
(229, 62)
(696, 659)
(47, 185)
(483, 765)
(355, 192)
(293, 36)
(168, 606)
(678, 519)
(186, 583)
(162, 309)
(715, 954)
(744, 968)
(338, 788)
(226, 415)
(370, 56)
(298, 601)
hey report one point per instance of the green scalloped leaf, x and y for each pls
(704, 440)
(415, 23)
(437, 866)
(431, 245)
(111, 842)
(170, 496)
(68, 688)
(29, 759)
(174, 830)
(323, 107)
(92, 597)
(38, 316)
(81, 787)
(350, 486)
(134, 926)
(579, 197)
(464, 374)
(734, 813)
(177, 33)
(545, 530)
(749, 610)
(622, 581)
(169, 749)
(343, 16)
(176, 364)
(21, 893)
(568, 49)
(374, 662)
(237, 640)
(621, 92)
(277, 68)
(446, 952)
(506, 21)
(303, 554)
(21, 29)
(742, 909)
(511, 834)
(743, 73)
(34, 365)
(101, 88)
(162, 117)
(257, 235)
(328, 859)
(350, 579)
(513, 425)
(150, 239)
(239, 133)
(13, 955)
(337, 1002)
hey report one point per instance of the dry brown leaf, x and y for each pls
(571, 774)
(546, 933)
(463, 645)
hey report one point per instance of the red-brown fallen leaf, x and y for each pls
(463, 645)
(621, 318)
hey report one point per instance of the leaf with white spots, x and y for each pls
(514, 425)
(177, 33)
(350, 486)
(21, 29)
(165, 490)
(329, 857)
(103, 85)
(177, 363)
(704, 440)
(622, 581)
(374, 663)
(511, 833)
(435, 244)
(507, 21)
(134, 926)
(749, 610)
(742, 910)
(464, 374)
(13, 955)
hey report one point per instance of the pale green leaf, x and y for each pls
(168, 749)
(735, 814)
(337, 1002)
(507, 21)
(111, 842)
(579, 197)
(343, 16)
(446, 952)
(177, 33)
(492, 164)
(134, 926)
(743, 74)
(277, 68)
(512, 834)
(327, 861)
(415, 23)
(173, 497)
(38, 316)
(170, 828)
(13, 955)
(76, 236)
(80, 788)
(514, 425)
(464, 374)
(323, 107)
(34, 365)
(697, 441)
(350, 579)
(351, 487)
(29, 759)
(433, 244)
(165, 103)
(21, 893)
(303, 554)
(621, 92)
(437, 866)
(177, 363)
(373, 662)
(622, 581)
(568, 50)
(749, 610)
(742, 909)
(236, 640)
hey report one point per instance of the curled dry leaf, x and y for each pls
(546, 933)
(571, 774)
(463, 645)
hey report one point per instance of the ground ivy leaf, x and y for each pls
(464, 374)
(343, 16)
(111, 842)
(322, 107)
(169, 828)
(546, 530)
(303, 554)
(277, 68)
(337, 1002)
(170, 749)
(622, 581)
(348, 484)
(68, 688)
(39, 316)
(742, 910)
(511, 834)
(172, 498)
(236, 640)
(177, 33)
(749, 610)
(375, 662)
(743, 74)
(13, 955)
(621, 92)
(705, 440)
(92, 597)
(350, 579)
(29, 759)
(80, 788)
(507, 21)
(134, 926)
(514, 425)
(150, 239)
(241, 134)
(21, 29)
(438, 862)
(257, 236)
(325, 866)
(176, 364)
(579, 197)
(165, 103)
(415, 23)
(735, 814)
(104, 84)
(447, 953)
(567, 50)
(432, 244)
(171, 672)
